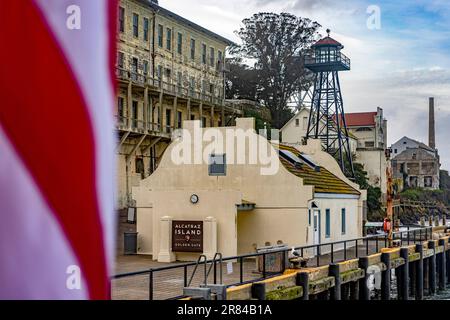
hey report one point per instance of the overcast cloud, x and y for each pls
(396, 67)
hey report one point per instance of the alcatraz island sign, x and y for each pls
(187, 236)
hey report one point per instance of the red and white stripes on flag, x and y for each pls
(56, 149)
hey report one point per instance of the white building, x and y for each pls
(306, 200)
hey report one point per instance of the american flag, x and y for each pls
(56, 148)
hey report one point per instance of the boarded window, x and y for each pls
(217, 165)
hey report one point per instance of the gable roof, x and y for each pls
(359, 119)
(323, 181)
(419, 152)
(420, 144)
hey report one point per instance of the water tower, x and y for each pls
(327, 118)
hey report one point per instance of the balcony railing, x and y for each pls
(170, 88)
(141, 126)
(327, 59)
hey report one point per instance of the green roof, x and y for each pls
(323, 180)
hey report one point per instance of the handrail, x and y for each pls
(258, 254)
(213, 263)
(199, 260)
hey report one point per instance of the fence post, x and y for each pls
(150, 285)
(241, 270)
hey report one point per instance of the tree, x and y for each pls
(241, 82)
(277, 43)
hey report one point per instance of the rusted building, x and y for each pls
(415, 164)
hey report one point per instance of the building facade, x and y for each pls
(169, 70)
(370, 130)
(294, 131)
(415, 165)
(307, 200)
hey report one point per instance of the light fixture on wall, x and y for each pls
(194, 199)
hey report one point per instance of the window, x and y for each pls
(364, 129)
(217, 165)
(327, 223)
(212, 57)
(169, 39)
(395, 150)
(134, 65)
(211, 89)
(121, 19)
(203, 122)
(168, 120)
(168, 75)
(192, 86)
(297, 122)
(219, 62)
(145, 29)
(180, 43)
(343, 222)
(120, 102)
(120, 59)
(160, 35)
(428, 181)
(180, 119)
(204, 53)
(180, 81)
(134, 114)
(369, 144)
(159, 72)
(139, 163)
(135, 25)
(192, 117)
(145, 66)
(193, 49)
(309, 217)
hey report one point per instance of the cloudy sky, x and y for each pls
(396, 67)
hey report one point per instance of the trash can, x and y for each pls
(130, 243)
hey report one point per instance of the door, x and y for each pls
(316, 229)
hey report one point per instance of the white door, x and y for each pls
(316, 226)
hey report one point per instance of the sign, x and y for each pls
(187, 236)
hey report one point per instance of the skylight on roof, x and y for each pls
(291, 157)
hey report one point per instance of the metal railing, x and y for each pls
(317, 255)
(326, 59)
(168, 87)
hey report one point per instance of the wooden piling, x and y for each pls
(447, 260)
(386, 277)
(412, 278)
(303, 280)
(441, 266)
(354, 290)
(402, 280)
(335, 271)
(364, 292)
(419, 273)
(432, 268)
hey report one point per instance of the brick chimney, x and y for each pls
(432, 127)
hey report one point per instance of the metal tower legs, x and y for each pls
(327, 120)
